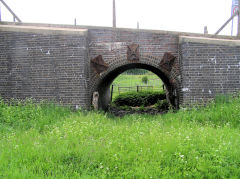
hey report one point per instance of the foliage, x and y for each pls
(162, 104)
(136, 71)
(196, 143)
(144, 98)
(145, 79)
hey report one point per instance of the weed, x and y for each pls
(219, 98)
(162, 104)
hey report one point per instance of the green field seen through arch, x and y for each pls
(132, 80)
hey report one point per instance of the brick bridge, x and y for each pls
(67, 63)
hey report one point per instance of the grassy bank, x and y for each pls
(46, 141)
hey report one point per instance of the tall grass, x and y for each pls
(27, 114)
(47, 141)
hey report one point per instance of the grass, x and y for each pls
(126, 80)
(47, 141)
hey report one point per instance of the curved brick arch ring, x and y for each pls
(101, 82)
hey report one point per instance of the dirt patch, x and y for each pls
(120, 111)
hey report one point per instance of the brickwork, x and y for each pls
(113, 44)
(102, 82)
(209, 67)
(45, 65)
(52, 62)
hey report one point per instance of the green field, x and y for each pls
(46, 141)
(125, 80)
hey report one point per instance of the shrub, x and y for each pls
(162, 104)
(136, 71)
(139, 98)
(145, 79)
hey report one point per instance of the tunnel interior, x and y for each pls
(104, 84)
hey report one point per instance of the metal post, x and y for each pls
(232, 19)
(111, 93)
(114, 14)
(236, 13)
(10, 10)
(14, 19)
(75, 21)
(0, 14)
(238, 34)
(205, 30)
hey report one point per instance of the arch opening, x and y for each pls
(107, 78)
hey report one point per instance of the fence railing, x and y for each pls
(134, 88)
(115, 89)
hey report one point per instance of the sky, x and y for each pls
(172, 15)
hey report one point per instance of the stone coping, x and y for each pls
(204, 40)
(43, 30)
(68, 26)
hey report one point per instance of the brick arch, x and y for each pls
(101, 82)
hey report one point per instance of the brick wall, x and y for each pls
(52, 62)
(209, 67)
(112, 43)
(44, 64)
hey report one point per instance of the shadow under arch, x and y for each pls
(102, 82)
